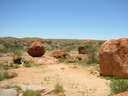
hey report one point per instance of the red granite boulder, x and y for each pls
(114, 58)
(36, 50)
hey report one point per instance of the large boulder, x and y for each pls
(36, 50)
(114, 58)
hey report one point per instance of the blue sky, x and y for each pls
(69, 19)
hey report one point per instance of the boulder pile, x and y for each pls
(59, 53)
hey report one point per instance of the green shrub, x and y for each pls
(13, 66)
(119, 85)
(12, 48)
(58, 88)
(31, 93)
(92, 51)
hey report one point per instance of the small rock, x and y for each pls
(8, 92)
(62, 68)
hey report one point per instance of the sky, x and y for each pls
(64, 19)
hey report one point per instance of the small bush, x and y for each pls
(58, 88)
(119, 85)
(31, 93)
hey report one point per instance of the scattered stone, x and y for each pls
(114, 58)
(95, 73)
(8, 92)
(62, 68)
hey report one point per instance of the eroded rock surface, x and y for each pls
(114, 58)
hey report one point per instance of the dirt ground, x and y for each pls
(76, 80)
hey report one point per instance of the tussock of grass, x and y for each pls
(58, 88)
(31, 93)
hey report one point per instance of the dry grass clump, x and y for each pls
(7, 75)
(27, 65)
(58, 88)
(118, 85)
